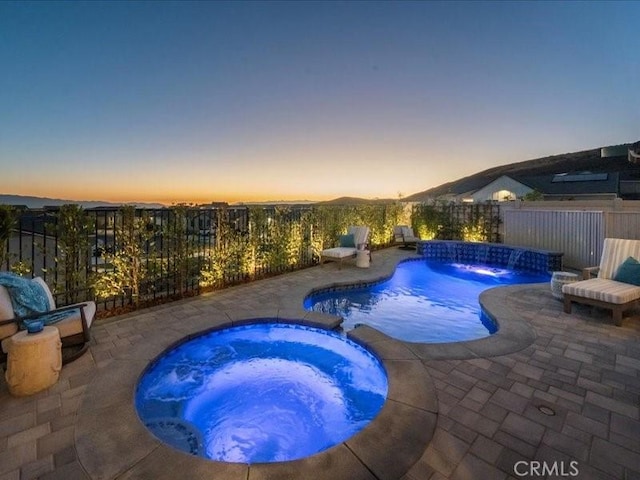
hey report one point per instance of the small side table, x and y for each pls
(363, 258)
(34, 361)
(558, 279)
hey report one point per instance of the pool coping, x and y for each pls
(111, 442)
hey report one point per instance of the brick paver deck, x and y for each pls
(563, 403)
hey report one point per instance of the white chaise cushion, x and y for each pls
(604, 290)
(339, 252)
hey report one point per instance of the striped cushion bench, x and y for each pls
(616, 296)
(604, 291)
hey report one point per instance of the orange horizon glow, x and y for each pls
(365, 171)
(165, 199)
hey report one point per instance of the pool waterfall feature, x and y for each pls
(497, 254)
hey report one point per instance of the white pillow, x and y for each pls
(52, 302)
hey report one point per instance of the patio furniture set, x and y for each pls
(355, 245)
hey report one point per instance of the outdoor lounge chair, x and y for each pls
(74, 329)
(357, 238)
(607, 290)
(404, 234)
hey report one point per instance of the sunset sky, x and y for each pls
(241, 101)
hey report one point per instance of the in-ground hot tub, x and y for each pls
(259, 393)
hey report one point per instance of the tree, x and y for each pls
(533, 196)
(7, 224)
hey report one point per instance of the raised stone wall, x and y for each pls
(496, 254)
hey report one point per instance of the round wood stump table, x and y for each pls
(34, 361)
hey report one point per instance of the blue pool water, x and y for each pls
(264, 392)
(424, 301)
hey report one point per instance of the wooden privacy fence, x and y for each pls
(578, 234)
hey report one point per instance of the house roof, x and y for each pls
(574, 183)
(588, 160)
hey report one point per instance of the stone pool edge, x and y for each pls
(111, 442)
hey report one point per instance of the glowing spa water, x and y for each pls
(424, 301)
(265, 392)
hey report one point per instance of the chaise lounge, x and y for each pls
(357, 238)
(404, 234)
(617, 286)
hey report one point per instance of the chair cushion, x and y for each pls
(409, 236)
(609, 291)
(6, 313)
(8, 330)
(360, 234)
(614, 252)
(72, 324)
(398, 229)
(6, 308)
(339, 252)
(628, 272)
(347, 241)
(52, 302)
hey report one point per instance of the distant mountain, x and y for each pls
(587, 160)
(275, 202)
(355, 201)
(40, 202)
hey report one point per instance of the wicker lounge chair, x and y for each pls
(74, 329)
(604, 290)
(349, 250)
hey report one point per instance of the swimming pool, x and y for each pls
(425, 301)
(260, 393)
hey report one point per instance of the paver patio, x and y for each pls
(560, 390)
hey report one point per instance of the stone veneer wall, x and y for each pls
(518, 258)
